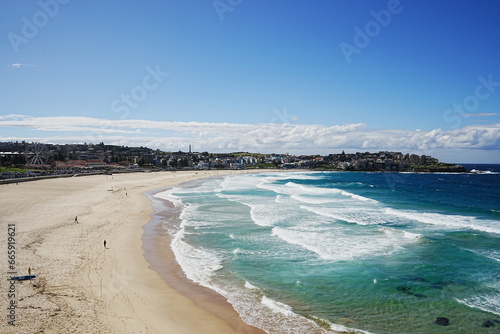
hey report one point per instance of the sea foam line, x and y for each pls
(294, 189)
(490, 254)
(297, 324)
(487, 303)
(168, 196)
(453, 221)
(336, 216)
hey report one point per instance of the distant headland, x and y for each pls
(23, 159)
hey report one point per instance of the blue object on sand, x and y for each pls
(22, 278)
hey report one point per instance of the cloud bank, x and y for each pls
(266, 138)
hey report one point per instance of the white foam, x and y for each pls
(360, 216)
(338, 244)
(312, 200)
(276, 317)
(410, 235)
(250, 286)
(264, 215)
(489, 172)
(305, 175)
(278, 307)
(358, 197)
(198, 264)
(263, 211)
(339, 328)
(293, 176)
(300, 192)
(209, 186)
(168, 196)
(372, 213)
(240, 182)
(491, 254)
(193, 217)
(488, 303)
(280, 200)
(450, 221)
(291, 188)
(285, 310)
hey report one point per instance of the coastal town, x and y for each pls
(23, 159)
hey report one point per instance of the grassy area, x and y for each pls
(262, 166)
(13, 170)
(248, 154)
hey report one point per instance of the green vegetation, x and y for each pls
(262, 166)
(13, 170)
(248, 154)
(439, 167)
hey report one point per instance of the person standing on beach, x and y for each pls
(76, 219)
(105, 244)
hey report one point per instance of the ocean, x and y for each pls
(356, 252)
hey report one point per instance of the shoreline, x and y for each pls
(83, 287)
(159, 254)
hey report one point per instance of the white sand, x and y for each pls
(81, 287)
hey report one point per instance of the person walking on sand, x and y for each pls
(76, 219)
(105, 244)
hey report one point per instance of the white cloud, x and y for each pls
(482, 114)
(18, 65)
(267, 137)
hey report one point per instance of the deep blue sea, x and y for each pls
(317, 252)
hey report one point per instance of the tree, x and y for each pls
(184, 162)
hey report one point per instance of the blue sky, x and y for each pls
(278, 76)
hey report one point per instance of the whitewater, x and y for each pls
(357, 252)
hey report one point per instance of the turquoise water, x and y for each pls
(354, 252)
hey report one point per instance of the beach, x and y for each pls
(83, 239)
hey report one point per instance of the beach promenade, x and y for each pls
(58, 228)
